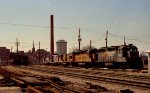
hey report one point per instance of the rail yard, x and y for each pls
(47, 79)
(93, 46)
(109, 69)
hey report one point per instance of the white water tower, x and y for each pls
(61, 46)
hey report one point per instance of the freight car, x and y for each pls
(19, 59)
(123, 56)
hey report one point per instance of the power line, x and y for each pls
(38, 26)
(23, 25)
(134, 37)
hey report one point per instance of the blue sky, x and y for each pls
(130, 18)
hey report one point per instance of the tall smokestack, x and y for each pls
(52, 34)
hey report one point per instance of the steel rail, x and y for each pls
(105, 78)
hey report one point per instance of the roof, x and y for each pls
(61, 41)
(121, 47)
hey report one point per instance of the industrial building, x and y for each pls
(4, 56)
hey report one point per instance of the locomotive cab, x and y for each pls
(129, 56)
(93, 55)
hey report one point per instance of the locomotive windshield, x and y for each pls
(133, 49)
(128, 48)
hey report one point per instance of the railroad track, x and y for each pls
(106, 79)
(112, 74)
(30, 87)
(33, 87)
(130, 80)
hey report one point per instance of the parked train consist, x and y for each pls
(123, 56)
(19, 59)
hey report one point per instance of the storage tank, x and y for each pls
(61, 46)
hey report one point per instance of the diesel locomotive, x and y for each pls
(122, 56)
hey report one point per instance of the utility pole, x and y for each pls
(17, 44)
(124, 41)
(39, 53)
(11, 49)
(79, 39)
(90, 44)
(106, 38)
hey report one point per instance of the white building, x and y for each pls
(61, 46)
(148, 61)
